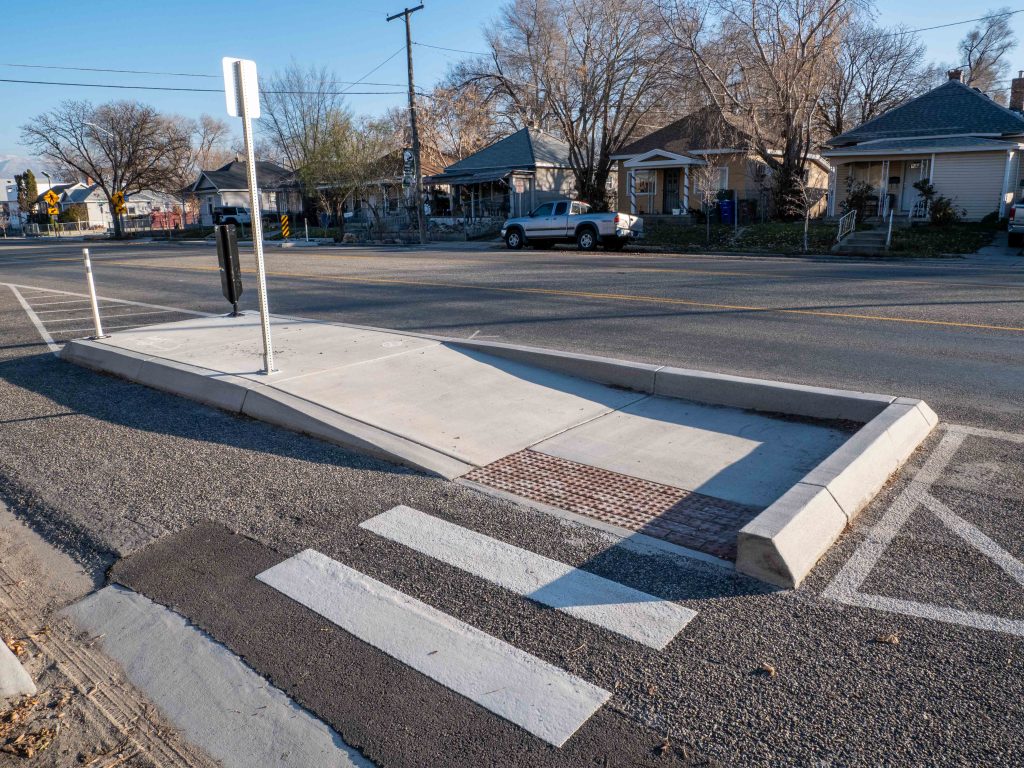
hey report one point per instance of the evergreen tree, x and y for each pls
(28, 191)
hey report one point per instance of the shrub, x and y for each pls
(858, 195)
(941, 210)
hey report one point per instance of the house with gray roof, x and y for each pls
(229, 185)
(954, 136)
(510, 177)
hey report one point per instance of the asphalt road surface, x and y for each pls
(904, 647)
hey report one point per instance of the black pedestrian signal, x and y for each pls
(230, 273)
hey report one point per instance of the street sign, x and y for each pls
(230, 272)
(234, 89)
(53, 210)
(118, 199)
(242, 95)
(286, 230)
(51, 198)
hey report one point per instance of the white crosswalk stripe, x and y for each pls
(637, 615)
(543, 699)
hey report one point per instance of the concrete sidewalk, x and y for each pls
(689, 467)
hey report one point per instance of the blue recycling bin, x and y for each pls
(727, 210)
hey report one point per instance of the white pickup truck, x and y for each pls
(570, 221)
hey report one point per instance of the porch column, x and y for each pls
(1006, 183)
(686, 189)
(631, 186)
(883, 189)
(833, 180)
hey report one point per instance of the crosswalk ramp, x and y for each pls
(366, 643)
(60, 316)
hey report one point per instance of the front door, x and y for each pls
(913, 172)
(671, 189)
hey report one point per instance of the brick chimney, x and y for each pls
(1017, 92)
(956, 74)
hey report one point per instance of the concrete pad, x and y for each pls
(771, 396)
(783, 543)
(299, 415)
(234, 345)
(605, 370)
(14, 680)
(740, 456)
(218, 702)
(220, 390)
(543, 699)
(473, 407)
(637, 615)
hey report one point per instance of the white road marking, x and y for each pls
(35, 321)
(845, 587)
(637, 615)
(122, 314)
(218, 702)
(119, 301)
(547, 701)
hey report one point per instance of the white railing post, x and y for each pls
(888, 236)
(92, 296)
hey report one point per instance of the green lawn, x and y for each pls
(928, 240)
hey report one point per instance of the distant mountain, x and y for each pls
(12, 164)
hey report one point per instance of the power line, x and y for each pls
(175, 74)
(453, 50)
(204, 90)
(389, 58)
(950, 24)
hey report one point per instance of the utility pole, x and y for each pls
(412, 120)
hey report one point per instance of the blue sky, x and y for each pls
(348, 36)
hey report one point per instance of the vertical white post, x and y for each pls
(257, 221)
(306, 223)
(631, 186)
(686, 190)
(92, 296)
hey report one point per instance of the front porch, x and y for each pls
(891, 182)
(658, 183)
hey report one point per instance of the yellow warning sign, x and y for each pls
(118, 200)
(51, 198)
(52, 210)
(285, 229)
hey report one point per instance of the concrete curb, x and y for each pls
(14, 680)
(782, 544)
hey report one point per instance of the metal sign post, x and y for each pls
(243, 100)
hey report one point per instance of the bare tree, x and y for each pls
(588, 72)
(766, 64)
(983, 49)
(301, 109)
(123, 146)
(708, 183)
(877, 69)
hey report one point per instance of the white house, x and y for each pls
(229, 185)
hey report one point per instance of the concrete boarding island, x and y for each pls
(765, 473)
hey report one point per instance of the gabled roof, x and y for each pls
(80, 193)
(526, 149)
(703, 129)
(233, 176)
(952, 108)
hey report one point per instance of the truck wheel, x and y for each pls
(514, 239)
(586, 239)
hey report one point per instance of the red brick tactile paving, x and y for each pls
(683, 517)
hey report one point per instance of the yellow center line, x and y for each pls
(608, 297)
